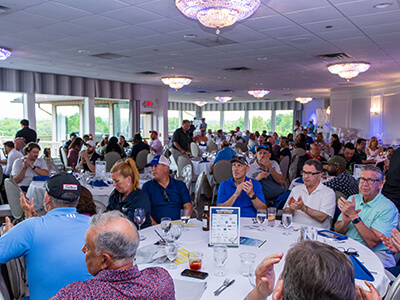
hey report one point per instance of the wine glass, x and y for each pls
(171, 251)
(287, 222)
(139, 216)
(261, 216)
(185, 217)
(166, 225)
(176, 232)
(220, 257)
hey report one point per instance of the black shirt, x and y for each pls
(284, 152)
(93, 159)
(27, 133)
(66, 144)
(391, 188)
(182, 138)
(137, 148)
(355, 160)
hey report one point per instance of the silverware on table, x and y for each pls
(226, 281)
(223, 287)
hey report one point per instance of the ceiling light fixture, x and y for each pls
(176, 82)
(217, 13)
(200, 103)
(383, 5)
(348, 70)
(223, 99)
(304, 100)
(258, 93)
(4, 53)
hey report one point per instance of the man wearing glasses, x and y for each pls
(368, 216)
(312, 203)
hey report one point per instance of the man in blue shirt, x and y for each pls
(241, 191)
(50, 244)
(261, 141)
(167, 195)
(225, 154)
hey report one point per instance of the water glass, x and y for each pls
(166, 225)
(171, 251)
(176, 232)
(271, 216)
(247, 261)
(195, 260)
(139, 216)
(185, 217)
(287, 222)
(261, 216)
(220, 257)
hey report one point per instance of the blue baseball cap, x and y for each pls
(158, 160)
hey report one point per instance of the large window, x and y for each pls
(102, 119)
(260, 120)
(213, 119)
(67, 121)
(145, 125)
(233, 119)
(11, 114)
(121, 118)
(188, 115)
(173, 121)
(284, 122)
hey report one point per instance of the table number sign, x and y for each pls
(100, 171)
(225, 226)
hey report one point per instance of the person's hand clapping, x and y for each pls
(261, 175)
(392, 243)
(296, 204)
(248, 187)
(348, 208)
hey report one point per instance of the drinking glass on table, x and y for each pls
(220, 257)
(166, 225)
(171, 251)
(139, 216)
(195, 260)
(261, 216)
(287, 222)
(271, 216)
(185, 217)
(176, 232)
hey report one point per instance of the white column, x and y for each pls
(273, 120)
(88, 112)
(246, 120)
(29, 101)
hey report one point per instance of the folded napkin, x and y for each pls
(40, 178)
(149, 254)
(189, 290)
(98, 183)
(361, 272)
(335, 235)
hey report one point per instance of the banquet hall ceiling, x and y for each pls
(277, 48)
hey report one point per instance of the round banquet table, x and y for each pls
(195, 239)
(201, 166)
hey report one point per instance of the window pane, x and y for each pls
(11, 114)
(284, 122)
(173, 121)
(233, 119)
(188, 115)
(121, 118)
(260, 120)
(101, 119)
(67, 120)
(145, 125)
(213, 119)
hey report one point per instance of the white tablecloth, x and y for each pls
(201, 167)
(197, 240)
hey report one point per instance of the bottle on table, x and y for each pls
(206, 217)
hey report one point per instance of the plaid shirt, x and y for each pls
(344, 183)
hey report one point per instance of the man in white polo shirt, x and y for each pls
(312, 203)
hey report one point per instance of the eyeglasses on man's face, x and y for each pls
(370, 181)
(304, 173)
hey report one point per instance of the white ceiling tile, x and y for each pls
(94, 6)
(68, 28)
(285, 32)
(27, 19)
(366, 7)
(379, 19)
(131, 15)
(165, 26)
(160, 7)
(56, 11)
(131, 31)
(313, 15)
(269, 22)
(98, 22)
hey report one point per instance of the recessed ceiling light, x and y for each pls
(383, 5)
(83, 51)
(190, 36)
(262, 58)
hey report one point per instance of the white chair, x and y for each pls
(63, 156)
(183, 160)
(197, 192)
(100, 207)
(141, 159)
(13, 192)
(166, 152)
(194, 149)
(297, 153)
(394, 291)
(222, 171)
(111, 158)
(187, 175)
(150, 157)
(284, 164)
(212, 147)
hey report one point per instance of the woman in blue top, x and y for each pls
(127, 196)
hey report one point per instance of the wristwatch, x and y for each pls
(304, 210)
(356, 221)
(253, 197)
(34, 167)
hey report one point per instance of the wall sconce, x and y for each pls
(328, 110)
(375, 110)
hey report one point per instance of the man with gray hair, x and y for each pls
(50, 244)
(312, 270)
(312, 203)
(110, 248)
(368, 216)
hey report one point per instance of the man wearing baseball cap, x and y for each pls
(89, 157)
(50, 244)
(241, 191)
(155, 143)
(343, 181)
(167, 195)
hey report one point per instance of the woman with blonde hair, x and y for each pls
(127, 196)
(373, 148)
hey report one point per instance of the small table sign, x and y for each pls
(225, 226)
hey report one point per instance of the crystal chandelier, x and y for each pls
(217, 13)
(258, 93)
(200, 103)
(348, 70)
(304, 100)
(223, 99)
(176, 82)
(4, 53)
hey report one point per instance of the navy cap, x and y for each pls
(60, 184)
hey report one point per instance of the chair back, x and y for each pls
(141, 159)
(16, 271)
(194, 149)
(183, 160)
(222, 171)
(166, 152)
(241, 146)
(211, 146)
(63, 156)
(187, 175)
(100, 207)
(394, 291)
(150, 157)
(284, 164)
(297, 153)
(111, 158)
(197, 192)
(13, 192)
